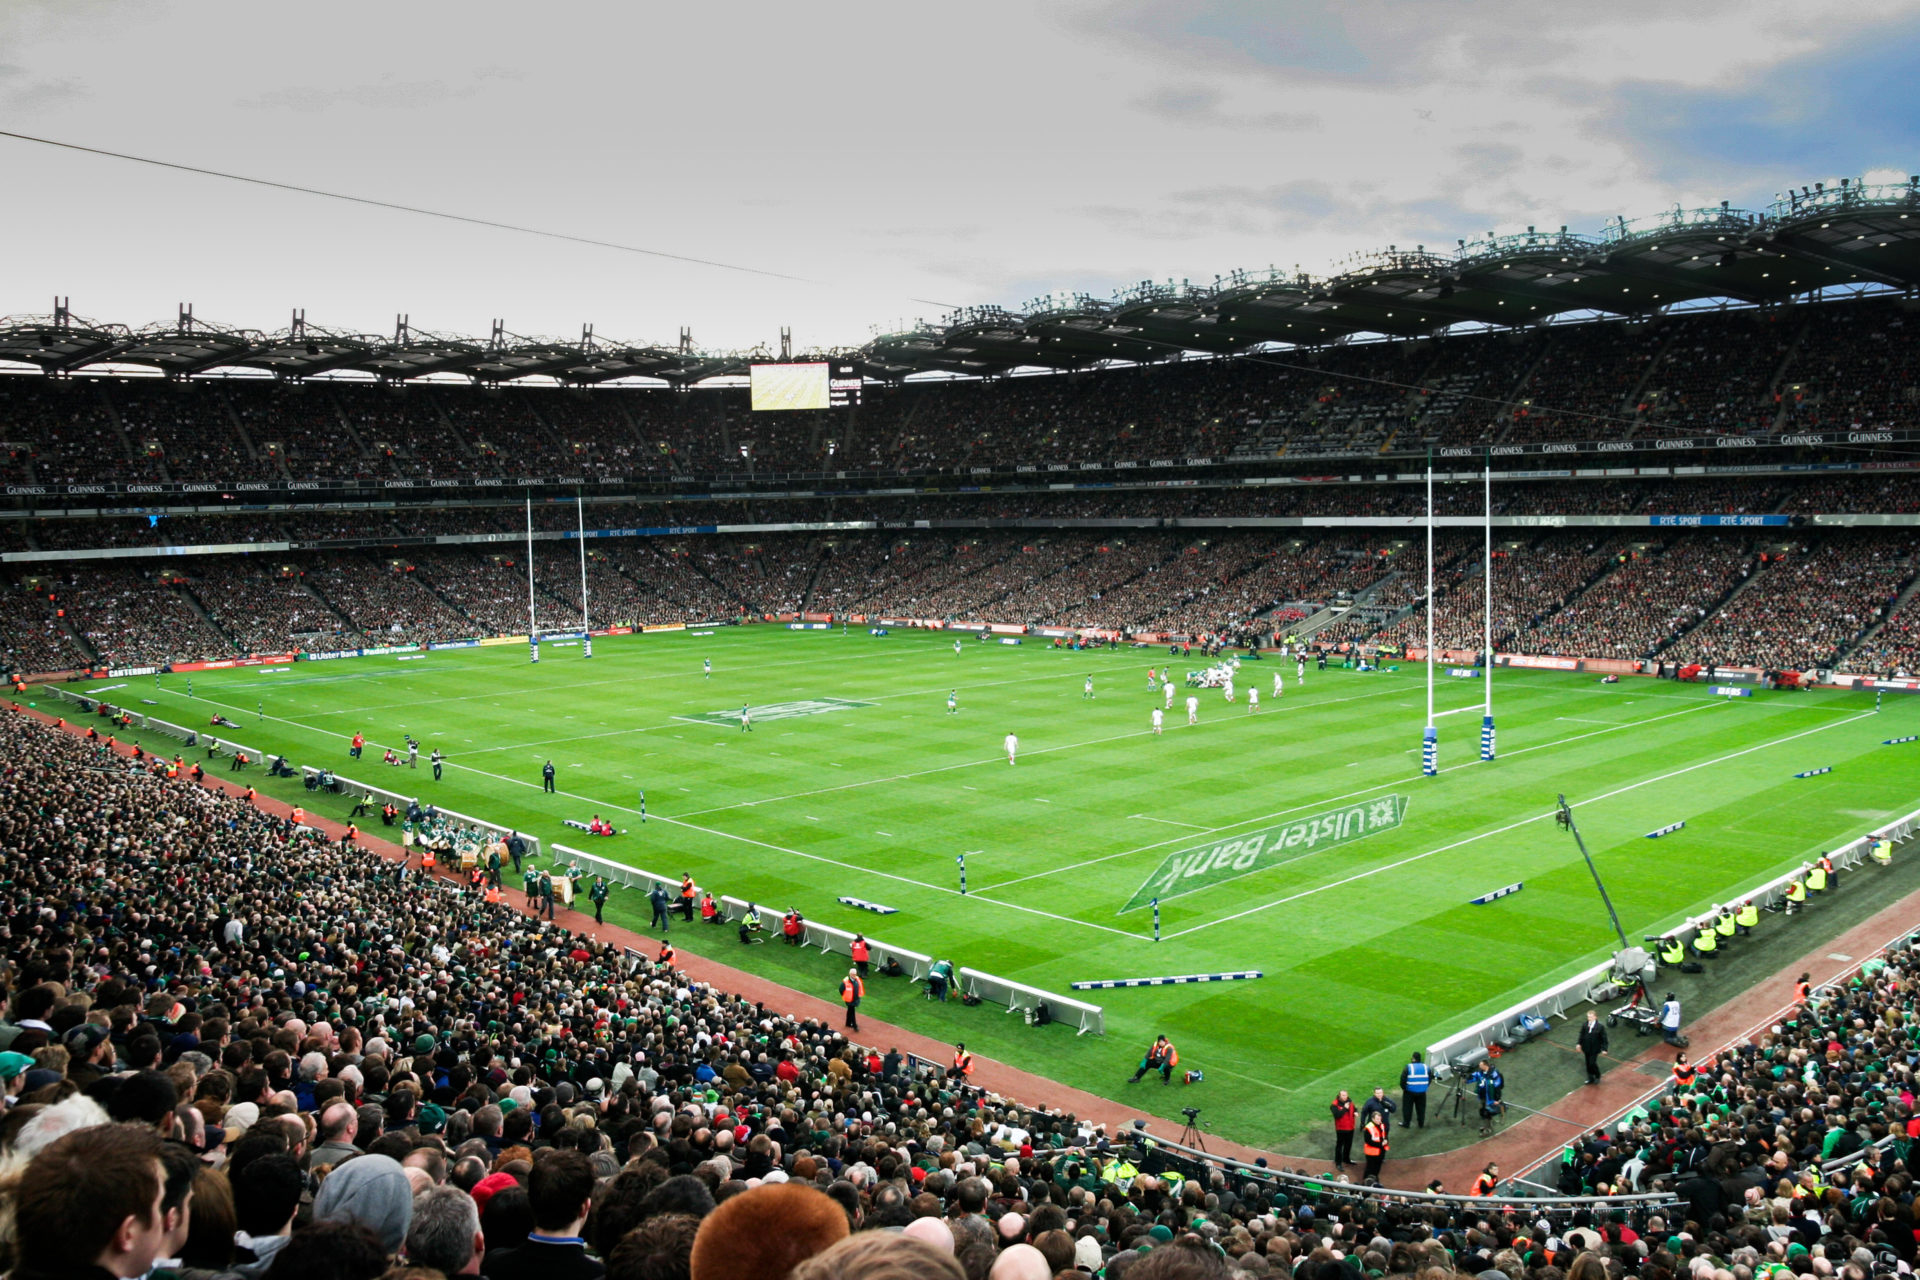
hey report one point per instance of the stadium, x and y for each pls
(1147, 781)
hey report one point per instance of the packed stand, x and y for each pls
(385, 601)
(186, 429)
(1806, 605)
(1858, 368)
(1652, 596)
(301, 423)
(265, 607)
(131, 617)
(62, 433)
(1712, 377)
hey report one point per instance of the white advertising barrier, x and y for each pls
(402, 799)
(1575, 990)
(830, 939)
(1017, 995)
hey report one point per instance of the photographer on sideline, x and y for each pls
(1161, 1057)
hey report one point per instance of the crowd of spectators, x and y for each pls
(1857, 367)
(1652, 595)
(1806, 606)
(139, 617)
(265, 607)
(235, 1048)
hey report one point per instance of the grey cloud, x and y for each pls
(1202, 107)
(383, 95)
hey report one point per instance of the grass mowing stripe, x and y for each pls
(1618, 791)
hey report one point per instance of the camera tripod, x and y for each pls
(1190, 1136)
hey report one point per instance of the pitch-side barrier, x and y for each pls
(402, 799)
(1594, 985)
(1018, 995)
(830, 939)
(187, 737)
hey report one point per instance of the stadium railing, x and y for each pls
(1594, 985)
(1165, 1151)
(188, 737)
(616, 872)
(402, 800)
(830, 939)
(1018, 995)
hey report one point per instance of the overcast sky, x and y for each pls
(895, 158)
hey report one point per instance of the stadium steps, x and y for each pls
(453, 428)
(346, 425)
(1503, 414)
(240, 430)
(1760, 570)
(1899, 602)
(348, 622)
(1629, 403)
(194, 605)
(1781, 408)
(120, 426)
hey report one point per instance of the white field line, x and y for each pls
(1144, 817)
(1334, 800)
(1632, 786)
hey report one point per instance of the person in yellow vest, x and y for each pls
(1683, 1073)
(1489, 1179)
(1374, 1145)
(851, 989)
(1797, 892)
(1723, 923)
(1746, 918)
(1705, 941)
(1817, 876)
(1673, 952)
(860, 953)
(1881, 851)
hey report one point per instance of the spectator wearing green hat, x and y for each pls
(13, 1074)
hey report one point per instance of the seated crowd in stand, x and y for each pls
(234, 1048)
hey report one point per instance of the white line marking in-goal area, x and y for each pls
(1538, 817)
(1169, 821)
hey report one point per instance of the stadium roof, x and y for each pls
(1809, 239)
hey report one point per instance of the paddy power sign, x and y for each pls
(1206, 865)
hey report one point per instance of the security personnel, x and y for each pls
(1683, 1074)
(495, 895)
(1724, 924)
(709, 910)
(1826, 866)
(598, 895)
(1817, 876)
(666, 953)
(1802, 988)
(1374, 1145)
(860, 953)
(1489, 1179)
(851, 989)
(1414, 1079)
(686, 897)
(1746, 918)
(1161, 1057)
(1797, 892)
(1881, 850)
(962, 1067)
(1705, 941)
(1673, 952)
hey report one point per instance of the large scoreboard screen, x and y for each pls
(809, 385)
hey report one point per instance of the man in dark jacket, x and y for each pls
(560, 1190)
(1593, 1042)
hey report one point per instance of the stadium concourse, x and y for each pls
(297, 1009)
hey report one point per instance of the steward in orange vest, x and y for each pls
(859, 950)
(851, 989)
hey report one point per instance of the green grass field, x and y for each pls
(1369, 946)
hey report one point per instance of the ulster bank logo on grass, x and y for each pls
(775, 711)
(1206, 865)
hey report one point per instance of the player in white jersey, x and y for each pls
(1228, 686)
(1168, 686)
(1087, 692)
(953, 703)
(1013, 745)
(1300, 670)
(1193, 709)
(1157, 713)
(1279, 683)
(1253, 700)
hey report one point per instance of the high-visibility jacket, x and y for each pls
(1825, 863)
(1817, 880)
(686, 888)
(963, 1063)
(1373, 1139)
(1706, 942)
(851, 989)
(1796, 890)
(427, 860)
(299, 815)
(1801, 990)
(494, 896)
(1723, 924)
(1672, 951)
(1881, 851)
(707, 908)
(1484, 1184)
(1747, 916)
(1683, 1073)
(666, 953)
(860, 951)
(1414, 1078)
